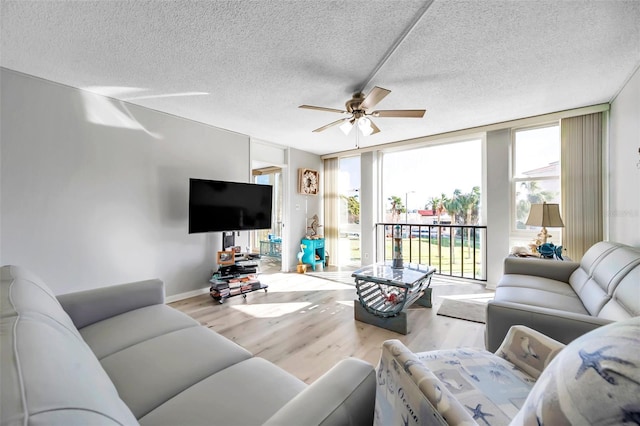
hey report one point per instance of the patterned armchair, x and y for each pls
(531, 379)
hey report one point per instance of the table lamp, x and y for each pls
(545, 215)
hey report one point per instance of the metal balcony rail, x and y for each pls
(454, 250)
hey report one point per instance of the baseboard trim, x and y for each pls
(186, 295)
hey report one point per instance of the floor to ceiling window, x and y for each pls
(434, 194)
(349, 213)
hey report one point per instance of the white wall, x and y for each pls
(624, 159)
(94, 191)
(301, 207)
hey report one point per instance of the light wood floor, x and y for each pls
(305, 324)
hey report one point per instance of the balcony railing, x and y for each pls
(454, 250)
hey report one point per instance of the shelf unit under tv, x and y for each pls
(237, 279)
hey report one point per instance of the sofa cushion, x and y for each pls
(611, 268)
(589, 261)
(537, 295)
(538, 283)
(49, 374)
(594, 380)
(117, 333)
(625, 302)
(261, 388)
(151, 372)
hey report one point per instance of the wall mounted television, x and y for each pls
(216, 206)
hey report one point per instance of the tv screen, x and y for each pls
(216, 206)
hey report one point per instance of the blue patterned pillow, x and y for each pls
(594, 380)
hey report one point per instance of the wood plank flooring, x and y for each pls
(305, 324)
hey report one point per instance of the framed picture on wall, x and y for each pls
(226, 258)
(309, 181)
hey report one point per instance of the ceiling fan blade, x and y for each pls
(335, 123)
(374, 127)
(402, 113)
(317, 108)
(375, 95)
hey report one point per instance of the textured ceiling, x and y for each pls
(245, 66)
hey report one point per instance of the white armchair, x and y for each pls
(516, 385)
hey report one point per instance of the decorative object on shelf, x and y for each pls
(544, 215)
(226, 257)
(301, 268)
(309, 181)
(312, 230)
(397, 247)
(550, 251)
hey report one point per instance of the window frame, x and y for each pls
(515, 234)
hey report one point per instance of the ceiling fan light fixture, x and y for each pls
(364, 124)
(346, 126)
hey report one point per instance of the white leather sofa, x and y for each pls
(119, 356)
(565, 300)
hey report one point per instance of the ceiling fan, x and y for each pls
(358, 109)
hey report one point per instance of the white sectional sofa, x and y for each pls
(119, 356)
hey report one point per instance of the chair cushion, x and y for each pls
(484, 383)
(594, 380)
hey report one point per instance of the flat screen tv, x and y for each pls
(216, 206)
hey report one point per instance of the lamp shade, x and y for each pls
(545, 215)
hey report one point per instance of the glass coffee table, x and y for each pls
(385, 293)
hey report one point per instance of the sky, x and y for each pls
(418, 175)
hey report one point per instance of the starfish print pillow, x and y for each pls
(594, 380)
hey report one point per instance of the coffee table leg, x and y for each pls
(425, 299)
(397, 323)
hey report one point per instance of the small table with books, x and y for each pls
(385, 293)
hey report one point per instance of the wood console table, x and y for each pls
(385, 293)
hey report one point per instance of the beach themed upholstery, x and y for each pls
(594, 380)
(531, 379)
(460, 386)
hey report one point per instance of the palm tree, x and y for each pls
(470, 202)
(452, 206)
(437, 204)
(534, 195)
(353, 208)
(396, 207)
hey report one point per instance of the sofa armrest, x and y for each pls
(562, 326)
(344, 395)
(90, 306)
(528, 349)
(545, 268)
